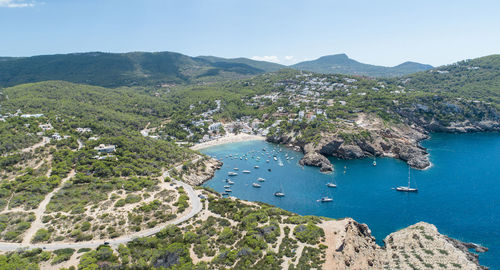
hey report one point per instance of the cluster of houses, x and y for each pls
(19, 113)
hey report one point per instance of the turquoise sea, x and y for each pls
(460, 193)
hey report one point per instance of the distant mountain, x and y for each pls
(342, 64)
(118, 69)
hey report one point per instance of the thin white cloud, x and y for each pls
(268, 58)
(16, 3)
(289, 58)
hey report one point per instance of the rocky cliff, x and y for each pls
(420, 246)
(369, 136)
(202, 173)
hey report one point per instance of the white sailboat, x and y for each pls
(408, 188)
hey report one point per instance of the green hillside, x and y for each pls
(108, 111)
(136, 68)
(476, 78)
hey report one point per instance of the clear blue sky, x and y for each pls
(377, 32)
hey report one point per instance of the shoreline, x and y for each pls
(229, 138)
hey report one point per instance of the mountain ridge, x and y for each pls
(342, 64)
(156, 68)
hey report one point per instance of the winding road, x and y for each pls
(196, 207)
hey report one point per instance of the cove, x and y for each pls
(460, 193)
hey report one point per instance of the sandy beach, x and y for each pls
(229, 138)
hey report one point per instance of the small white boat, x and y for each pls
(245, 171)
(228, 190)
(332, 185)
(232, 174)
(267, 161)
(325, 199)
(256, 167)
(275, 158)
(230, 182)
(260, 179)
(225, 193)
(255, 185)
(235, 169)
(227, 186)
(279, 194)
(406, 189)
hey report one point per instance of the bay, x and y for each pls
(460, 193)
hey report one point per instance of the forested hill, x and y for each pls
(106, 111)
(126, 69)
(476, 78)
(342, 64)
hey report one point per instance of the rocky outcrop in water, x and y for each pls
(318, 160)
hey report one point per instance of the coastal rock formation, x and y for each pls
(318, 160)
(202, 173)
(368, 137)
(420, 246)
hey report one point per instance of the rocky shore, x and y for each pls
(369, 137)
(420, 246)
(204, 173)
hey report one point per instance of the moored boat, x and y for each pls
(407, 188)
(279, 194)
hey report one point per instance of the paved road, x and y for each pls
(196, 207)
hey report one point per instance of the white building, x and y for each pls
(215, 126)
(105, 148)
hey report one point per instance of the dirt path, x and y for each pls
(195, 207)
(80, 144)
(37, 224)
(333, 231)
(45, 140)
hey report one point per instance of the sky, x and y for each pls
(382, 32)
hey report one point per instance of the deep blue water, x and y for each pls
(460, 193)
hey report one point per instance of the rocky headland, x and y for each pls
(420, 246)
(369, 136)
